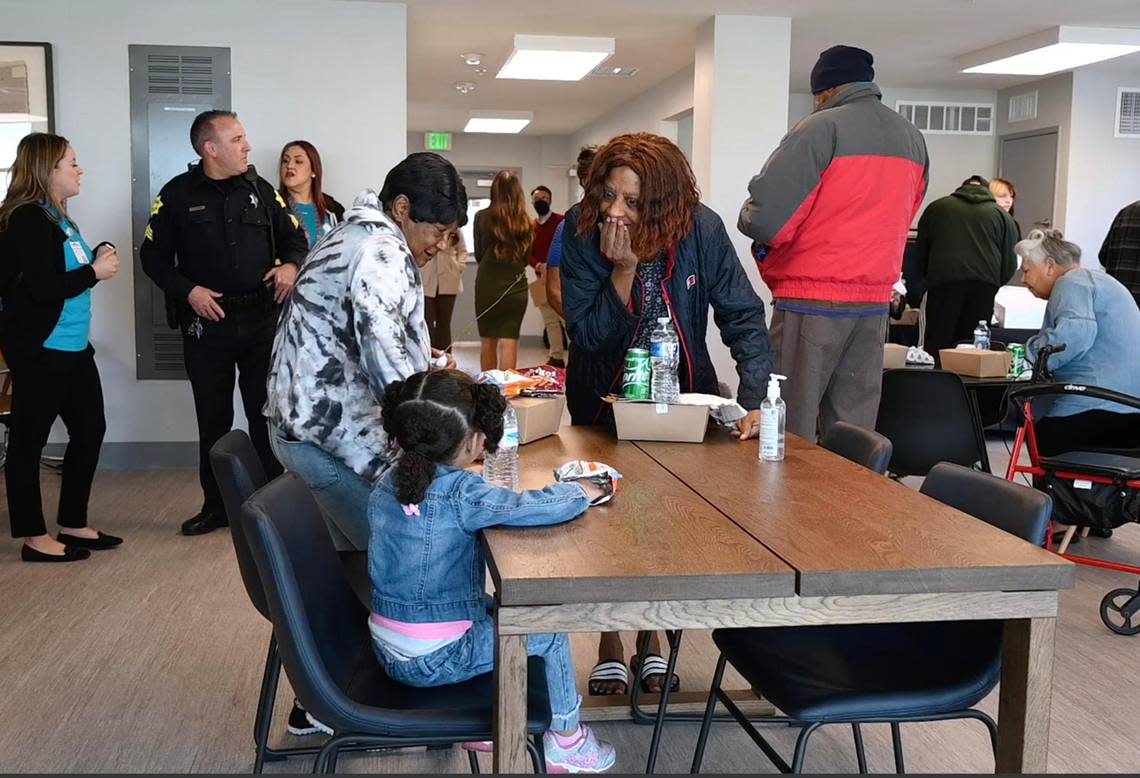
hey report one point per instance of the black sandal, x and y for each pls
(654, 665)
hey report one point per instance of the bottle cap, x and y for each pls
(774, 386)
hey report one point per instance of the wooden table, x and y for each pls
(706, 536)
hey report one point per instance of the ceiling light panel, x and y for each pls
(506, 122)
(1052, 51)
(555, 57)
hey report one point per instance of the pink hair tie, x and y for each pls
(411, 510)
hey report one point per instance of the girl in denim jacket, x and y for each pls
(430, 623)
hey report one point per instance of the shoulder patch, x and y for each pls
(154, 209)
(280, 201)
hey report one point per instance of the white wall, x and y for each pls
(1104, 171)
(649, 113)
(356, 118)
(1054, 109)
(953, 158)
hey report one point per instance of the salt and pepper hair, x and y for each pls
(1042, 244)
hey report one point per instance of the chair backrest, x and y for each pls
(320, 626)
(239, 473)
(1019, 510)
(928, 417)
(862, 446)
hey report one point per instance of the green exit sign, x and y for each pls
(437, 141)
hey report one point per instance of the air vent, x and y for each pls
(169, 74)
(1023, 107)
(948, 118)
(168, 354)
(613, 71)
(1128, 112)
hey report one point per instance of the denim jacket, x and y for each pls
(430, 567)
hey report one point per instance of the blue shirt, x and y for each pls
(306, 213)
(554, 256)
(73, 330)
(1098, 321)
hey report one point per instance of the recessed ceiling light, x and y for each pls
(498, 121)
(555, 57)
(465, 87)
(1052, 51)
(471, 57)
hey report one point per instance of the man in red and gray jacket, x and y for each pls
(829, 215)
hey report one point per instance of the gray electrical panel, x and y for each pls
(170, 85)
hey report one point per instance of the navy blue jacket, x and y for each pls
(704, 270)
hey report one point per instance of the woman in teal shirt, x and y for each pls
(45, 283)
(301, 186)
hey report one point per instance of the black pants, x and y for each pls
(1088, 431)
(953, 310)
(438, 311)
(241, 341)
(58, 384)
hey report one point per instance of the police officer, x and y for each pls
(223, 246)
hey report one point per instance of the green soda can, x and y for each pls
(1017, 359)
(635, 377)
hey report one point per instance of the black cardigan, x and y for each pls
(32, 254)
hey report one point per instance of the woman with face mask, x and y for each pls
(302, 187)
(47, 277)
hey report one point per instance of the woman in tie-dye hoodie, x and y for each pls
(354, 324)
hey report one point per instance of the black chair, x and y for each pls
(239, 473)
(325, 646)
(929, 417)
(881, 673)
(862, 446)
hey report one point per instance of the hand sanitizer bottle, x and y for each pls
(773, 416)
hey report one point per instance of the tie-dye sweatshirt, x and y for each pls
(354, 324)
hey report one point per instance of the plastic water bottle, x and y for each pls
(502, 467)
(665, 357)
(982, 336)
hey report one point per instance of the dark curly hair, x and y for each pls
(669, 194)
(429, 416)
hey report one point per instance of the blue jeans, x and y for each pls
(340, 491)
(474, 654)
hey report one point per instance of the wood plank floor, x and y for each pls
(148, 659)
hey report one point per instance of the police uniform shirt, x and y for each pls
(216, 234)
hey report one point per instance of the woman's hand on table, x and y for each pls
(749, 426)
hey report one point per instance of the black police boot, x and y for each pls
(205, 521)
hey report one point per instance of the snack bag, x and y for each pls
(601, 474)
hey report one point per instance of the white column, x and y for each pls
(740, 113)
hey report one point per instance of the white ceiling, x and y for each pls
(914, 43)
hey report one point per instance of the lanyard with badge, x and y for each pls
(79, 249)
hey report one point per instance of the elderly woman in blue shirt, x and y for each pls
(1097, 320)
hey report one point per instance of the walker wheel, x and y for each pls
(1112, 613)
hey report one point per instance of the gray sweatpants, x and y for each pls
(834, 367)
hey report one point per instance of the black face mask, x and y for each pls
(541, 207)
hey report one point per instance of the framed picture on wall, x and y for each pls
(27, 102)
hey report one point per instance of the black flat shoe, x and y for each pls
(70, 554)
(203, 522)
(101, 543)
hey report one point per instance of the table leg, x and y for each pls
(510, 704)
(1026, 695)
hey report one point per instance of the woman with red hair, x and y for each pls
(641, 246)
(503, 234)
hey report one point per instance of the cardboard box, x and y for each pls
(1016, 308)
(538, 416)
(975, 363)
(661, 421)
(894, 355)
